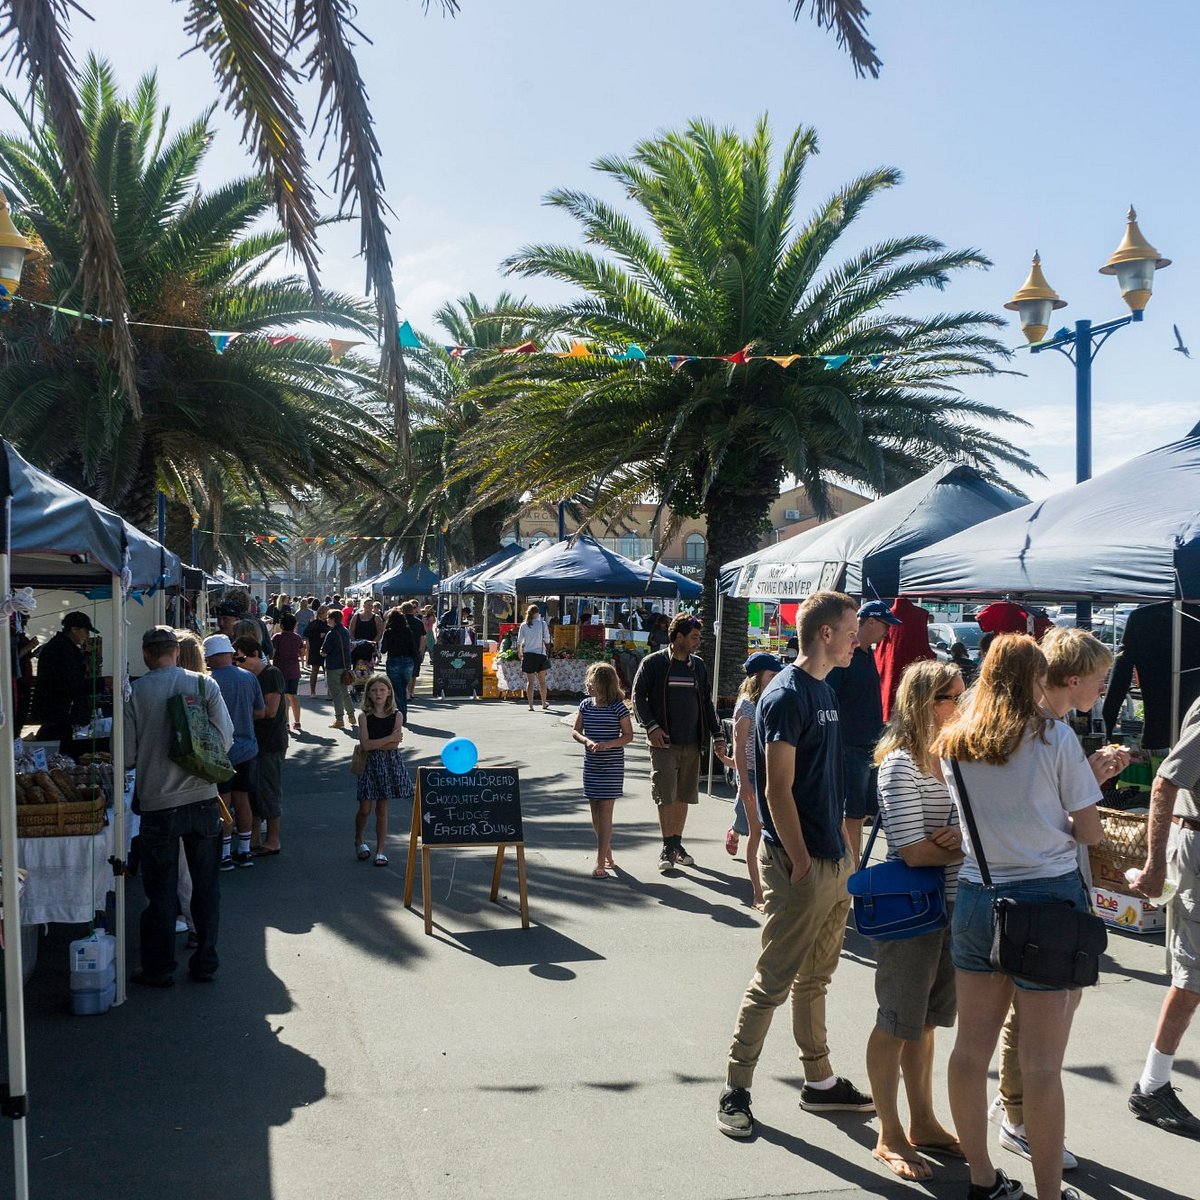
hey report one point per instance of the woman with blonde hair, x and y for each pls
(1033, 797)
(760, 669)
(603, 727)
(191, 651)
(914, 977)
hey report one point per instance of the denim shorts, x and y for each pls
(974, 922)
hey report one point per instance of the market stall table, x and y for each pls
(563, 675)
(68, 878)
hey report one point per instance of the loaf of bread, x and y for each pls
(65, 784)
(51, 789)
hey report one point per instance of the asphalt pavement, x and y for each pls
(343, 1053)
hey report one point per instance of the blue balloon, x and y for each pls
(459, 755)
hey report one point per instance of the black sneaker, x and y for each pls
(1003, 1189)
(666, 860)
(243, 859)
(1164, 1109)
(734, 1118)
(682, 857)
(842, 1097)
(227, 863)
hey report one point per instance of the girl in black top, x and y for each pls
(380, 732)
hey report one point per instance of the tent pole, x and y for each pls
(716, 677)
(118, 661)
(14, 983)
(1176, 671)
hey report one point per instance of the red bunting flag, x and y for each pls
(283, 340)
(523, 348)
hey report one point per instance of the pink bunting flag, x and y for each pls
(338, 347)
(283, 340)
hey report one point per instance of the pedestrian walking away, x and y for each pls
(604, 727)
(672, 700)
(179, 812)
(384, 777)
(1174, 848)
(270, 731)
(335, 654)
(533, 645)
(800, 781)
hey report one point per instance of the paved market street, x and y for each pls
(341, 1053)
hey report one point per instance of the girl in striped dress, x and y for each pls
(603, 727)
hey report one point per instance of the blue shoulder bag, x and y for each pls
(893, 901)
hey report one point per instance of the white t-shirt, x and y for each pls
(913, 806)
(532, 637)
(1021, 807)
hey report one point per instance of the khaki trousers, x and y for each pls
(801, 946)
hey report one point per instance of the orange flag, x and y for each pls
(784, 360)
(337, 348)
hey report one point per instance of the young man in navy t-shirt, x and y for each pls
(801, 788)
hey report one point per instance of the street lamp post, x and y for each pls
(1133, 263)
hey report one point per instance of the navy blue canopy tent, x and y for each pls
(417, 580)
(462, 581)
(689, 589)
(1132, 533)
(860, 552)
(578, 566)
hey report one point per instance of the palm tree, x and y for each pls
(727, 266)
(448, 380)
(271, 413)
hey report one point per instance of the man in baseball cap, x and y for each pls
(62, 696)
(860, 708)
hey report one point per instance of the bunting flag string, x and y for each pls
(323, 539)
(632, 353)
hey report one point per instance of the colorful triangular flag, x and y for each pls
(221, 340)
(529, 347)
(876, 360)
(577, 350)
(408, 338)
(784, 360)
(737, 359)
(633, 353)
(338, 348)
(834, 361)
(283, 340)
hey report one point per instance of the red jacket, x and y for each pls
(907, 643)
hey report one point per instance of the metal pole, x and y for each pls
(1176, 667)
(1083, 431)
(117, 663)
(14, 983)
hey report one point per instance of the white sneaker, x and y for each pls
(1012, 1137)
(996, 1111)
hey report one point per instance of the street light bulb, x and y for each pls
(15, 248)
(1034, 303)
(1134, 262)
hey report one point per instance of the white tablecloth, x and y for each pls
(564, 675)
(68, 877)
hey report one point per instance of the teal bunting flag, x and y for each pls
(633, 353)
(876, 360)
(408, 338)
(834, 361)
(221, 341)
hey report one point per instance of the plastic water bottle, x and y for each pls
(1170, 883)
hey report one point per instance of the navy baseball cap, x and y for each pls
(761, 661)
(880, 610)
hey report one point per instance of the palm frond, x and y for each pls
(848, 21)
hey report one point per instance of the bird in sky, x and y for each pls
(1179, 343)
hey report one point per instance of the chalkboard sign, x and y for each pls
(457, 670)
(479, 808)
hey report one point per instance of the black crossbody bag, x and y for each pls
(1046, 942)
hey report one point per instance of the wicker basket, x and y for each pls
(74, 819)
(1124, 846)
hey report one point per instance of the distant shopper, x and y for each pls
(178, 811)
(244, 700)
(604, 727)
(533, 644)
(314, 637)
(61, 695)
(288, 646)
(335, 654)
(399, 645)
(380, 733)
(760, 669)
(801, 798)
(673, 702)
(270, 731)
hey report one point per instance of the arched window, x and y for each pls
(693, 549)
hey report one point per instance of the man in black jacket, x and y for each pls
(61, 695)
(673, 703)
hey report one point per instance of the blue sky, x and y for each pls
(1015, 125)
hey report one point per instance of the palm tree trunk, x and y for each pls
(139, 503)
(735, 522)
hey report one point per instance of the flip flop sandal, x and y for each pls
(731, 842)
(381, 860)
(364, 852)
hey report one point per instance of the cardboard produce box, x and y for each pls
(1130, 913)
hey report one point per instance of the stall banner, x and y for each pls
(786, 580)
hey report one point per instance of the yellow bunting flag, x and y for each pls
(337, 348)
(784, 360)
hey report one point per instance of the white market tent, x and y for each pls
(52, 536)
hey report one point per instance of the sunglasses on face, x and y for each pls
(956, 697)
